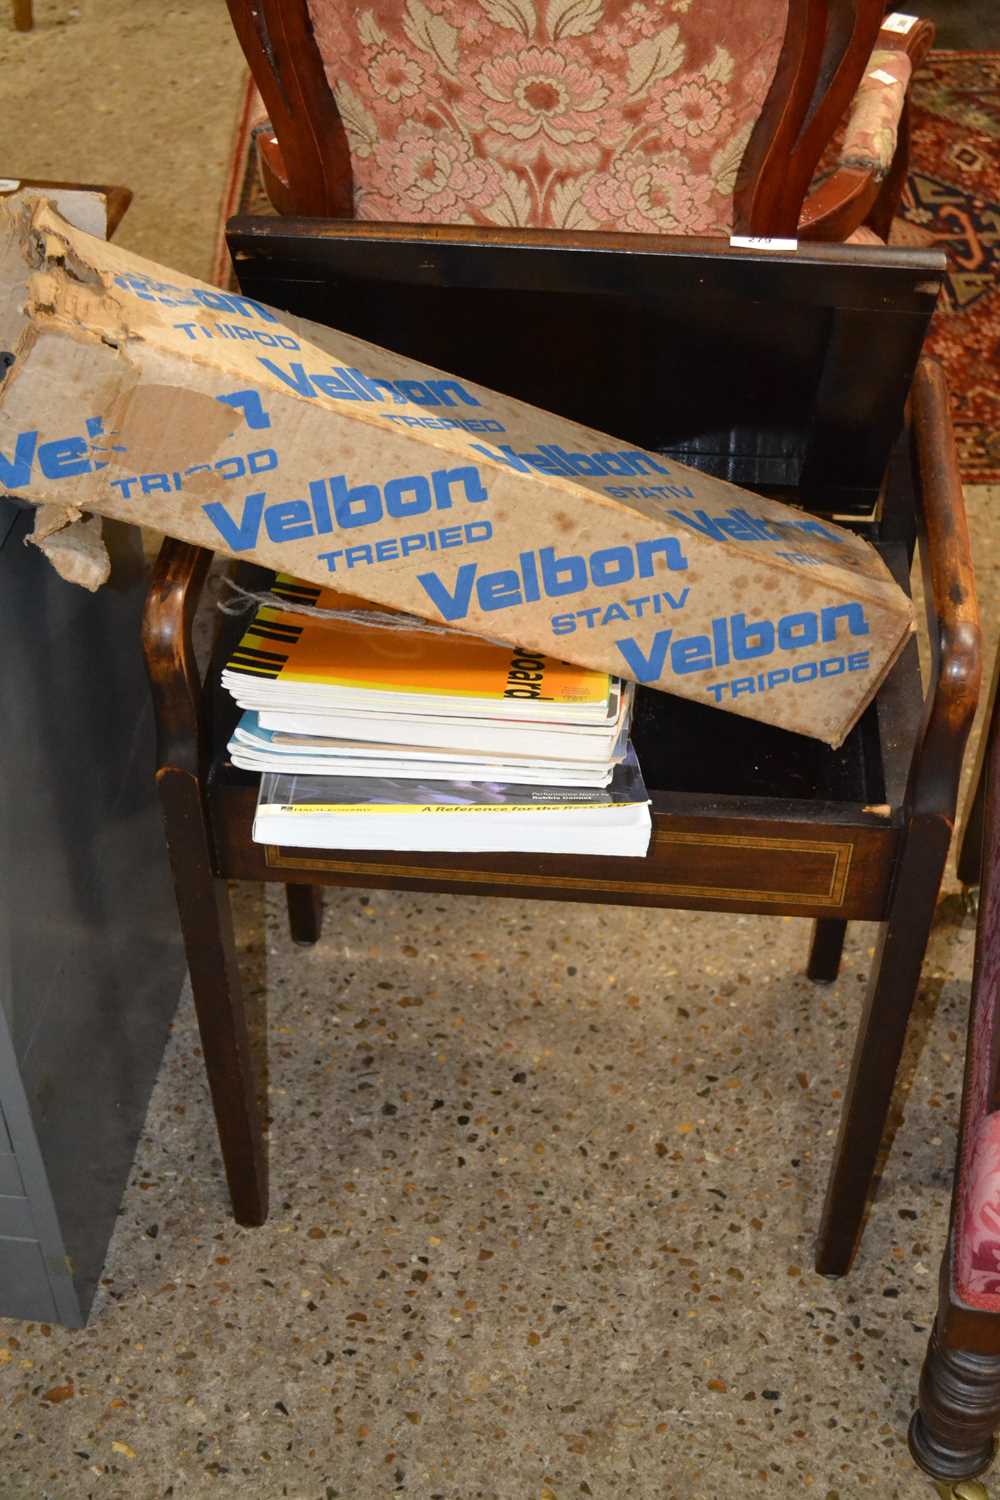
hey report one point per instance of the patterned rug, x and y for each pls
(952, 200)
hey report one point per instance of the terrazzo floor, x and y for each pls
(545, 1177)
(545, 1184)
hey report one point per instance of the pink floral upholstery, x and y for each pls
(870, 138)
(977, 1219)
(978, 1263)
(578, 114)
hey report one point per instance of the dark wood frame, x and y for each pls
(952, 1432)
(306, 160)
(829, 860)
(425, 291)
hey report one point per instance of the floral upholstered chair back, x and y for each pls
(569, 114)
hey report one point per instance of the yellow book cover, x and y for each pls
(293, 650)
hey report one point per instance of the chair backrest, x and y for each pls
(784, 372)
(663, 117)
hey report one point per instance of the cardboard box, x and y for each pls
(142, 394)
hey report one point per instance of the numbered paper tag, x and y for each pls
(882, 76)
(760, 242)
(899, 23)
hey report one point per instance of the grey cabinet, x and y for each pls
(90, 959)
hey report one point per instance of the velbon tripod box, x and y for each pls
(138, 393)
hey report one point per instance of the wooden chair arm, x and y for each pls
(842, 203)
(175, 587)
(952, 608)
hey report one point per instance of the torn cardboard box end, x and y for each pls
(73, 544)
(144, 395)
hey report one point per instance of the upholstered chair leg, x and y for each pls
(305, 913)
(892, 988)
(826, 949)
(207, 926)
(952, 1432)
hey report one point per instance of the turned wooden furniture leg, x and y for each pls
(24, 20)
(825, 950)
(207, 926)
(892, 988)
(305, 913)
(952, 1431)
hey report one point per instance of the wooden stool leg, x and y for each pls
(952, 1431)
(305, 913)
(825, 950)
(892, 988)
(24, 20)
(207, 926)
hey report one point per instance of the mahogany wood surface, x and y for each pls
(305, 913)
(952, 1434)
(746, 817)
(763, 865)
(313, 163)
(307, 163)
(930, 800)
(826, 950)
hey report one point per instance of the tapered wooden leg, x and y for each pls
(892, 988)
(305, 913)
(207, 926)
(826, 949)
(952, 1432)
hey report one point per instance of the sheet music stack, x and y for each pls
(397, 737)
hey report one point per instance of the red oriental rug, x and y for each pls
(952, 200)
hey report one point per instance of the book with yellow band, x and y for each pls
(297, 661)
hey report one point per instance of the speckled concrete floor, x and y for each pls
(545, 1176)
(545, 1183)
